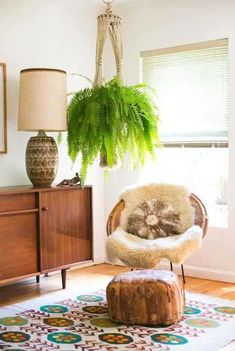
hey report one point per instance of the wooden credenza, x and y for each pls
(43, 230)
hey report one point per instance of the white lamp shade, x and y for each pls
(42, 100)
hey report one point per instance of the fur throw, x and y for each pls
(175, 195)
(141, 253)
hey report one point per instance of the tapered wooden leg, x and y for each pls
(37, 278)
(182, 269)
(63, 277)
(171, 266)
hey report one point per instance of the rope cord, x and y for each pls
(108, 24)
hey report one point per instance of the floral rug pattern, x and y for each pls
(82, 323)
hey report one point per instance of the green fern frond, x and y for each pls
(112, 120)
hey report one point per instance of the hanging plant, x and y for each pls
(111, 119)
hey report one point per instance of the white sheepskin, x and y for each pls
(176, 195)
(142, 253)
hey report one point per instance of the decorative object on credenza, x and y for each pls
(71, 182)
(42, 107)
(111, 119)
(3, 109)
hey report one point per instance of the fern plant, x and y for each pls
(111, 120)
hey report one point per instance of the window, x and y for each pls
(192, 88)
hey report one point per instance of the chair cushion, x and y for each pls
(154, 219)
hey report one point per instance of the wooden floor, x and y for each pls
(96, 277)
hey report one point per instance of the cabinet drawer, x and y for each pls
(15, 202)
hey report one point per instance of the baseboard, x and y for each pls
(197, 272)
(203, 272)
(99, 260)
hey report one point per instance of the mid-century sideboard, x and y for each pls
(43, 230)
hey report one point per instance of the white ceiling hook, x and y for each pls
(109, 5)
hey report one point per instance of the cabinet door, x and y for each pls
(66, 227)
(18, 245)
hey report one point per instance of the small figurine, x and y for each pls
(71, 182)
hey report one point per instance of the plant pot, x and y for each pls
(104, 162)
(106, 167)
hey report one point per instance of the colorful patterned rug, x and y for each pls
(80, 322)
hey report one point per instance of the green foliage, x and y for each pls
(112, 120)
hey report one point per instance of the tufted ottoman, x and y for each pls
(146, 297)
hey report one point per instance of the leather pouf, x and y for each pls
(146, 297)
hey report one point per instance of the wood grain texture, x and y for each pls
(18, 242)
(22, 189)
(43, 229)
(65, 228)
(10, 213)
(17, 202)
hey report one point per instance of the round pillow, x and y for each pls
(154, 219)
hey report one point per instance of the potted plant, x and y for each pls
(111, 120)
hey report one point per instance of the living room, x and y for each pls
(158, 37)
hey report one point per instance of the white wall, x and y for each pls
(56, 34)
(152, 24)
(61, 34)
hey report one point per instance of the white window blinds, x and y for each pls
(191, 83)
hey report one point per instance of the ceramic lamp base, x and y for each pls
(41, 160)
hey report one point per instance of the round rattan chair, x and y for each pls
(200, 219)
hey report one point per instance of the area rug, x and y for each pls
(80, 322)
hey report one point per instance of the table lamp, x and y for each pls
(42, 107)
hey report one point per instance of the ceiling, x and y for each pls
(116, 2)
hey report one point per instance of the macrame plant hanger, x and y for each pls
(111, 24)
